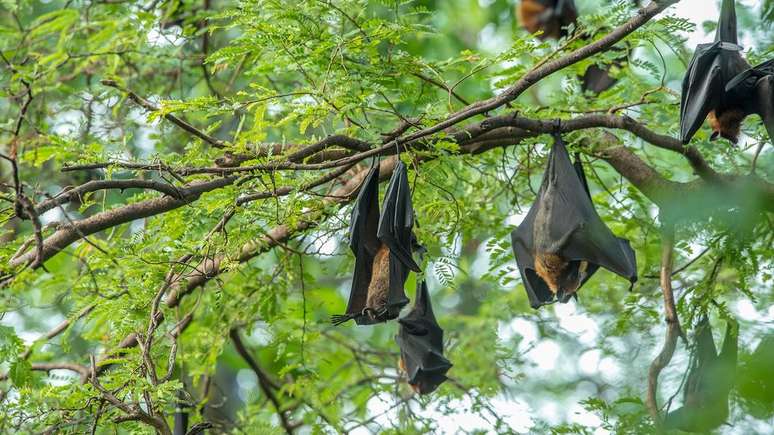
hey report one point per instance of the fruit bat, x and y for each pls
(562, 241)
(383, 246)
(551, 16)
(720, 85)
(420, 339)
(710, 379)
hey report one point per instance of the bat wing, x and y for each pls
(397, 219)
(365, 215)
(420, 339)
(764, 102)
(724, 371)
(702, 89)
(593, 241)
(364, 244)
(754, 87)
(748, 78)
(395, 229)
(710, 378)
(523, 248)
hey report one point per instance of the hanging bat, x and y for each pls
(420, 339)
(383, 246)
(551, 16)
(562, 241)
(720, 86)
(710, 379)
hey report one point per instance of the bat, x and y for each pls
(420, 339)
(721, 87)
(562, 241)
(551, 16)
(383, 245)
(710, 379)
(756, 385)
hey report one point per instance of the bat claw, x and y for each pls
(338, 319)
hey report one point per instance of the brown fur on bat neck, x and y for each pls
(379, 287)
(556, 272)
(728, 125)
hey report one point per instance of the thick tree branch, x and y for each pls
(624, 161)
(69, 233)
(47, 367)
(672, 321)
(96, 185)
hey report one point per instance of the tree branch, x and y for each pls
(147, 105)
(263, 379)
(672, 321)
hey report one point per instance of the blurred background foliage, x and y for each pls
(291, 72)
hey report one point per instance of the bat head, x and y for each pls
(728, 125)
(562, 277)
(570, 280)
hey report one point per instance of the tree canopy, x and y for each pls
(177, 178)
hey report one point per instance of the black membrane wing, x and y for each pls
(590, 239)
(365, 215)
(593, 242)
(397, 220)
(364, 244)
(755, 87)
(702, 89)
(420, 339)
(395, 230)
(710, 379)
(523, 246)
(748, 79)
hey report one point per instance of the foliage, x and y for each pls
(115, 82)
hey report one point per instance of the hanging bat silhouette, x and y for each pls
(420, 339)
(756, 385)
(562, 241)
(720, 86)
(710, 379)
(553, 17)
(383, 246)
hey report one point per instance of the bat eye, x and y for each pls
(715, 135)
